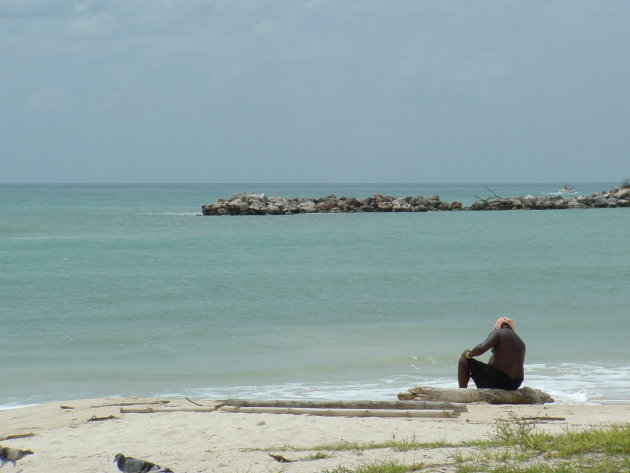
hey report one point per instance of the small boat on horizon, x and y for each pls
(567, 190)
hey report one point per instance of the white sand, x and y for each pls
(65, 440)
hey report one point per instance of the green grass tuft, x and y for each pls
(318, 456)
(391, 466)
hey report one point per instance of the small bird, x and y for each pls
(133, 465)
(12, 455)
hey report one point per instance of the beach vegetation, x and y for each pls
(514, 431)
(402, 445)
(389, 466)
(522, 434)
(319, 455)
(515, 446)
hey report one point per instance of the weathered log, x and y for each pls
(410, 405)
(118, 404)
(17, 436)
(151, 410)
(542, 418)
(492, 396)
(425, 413)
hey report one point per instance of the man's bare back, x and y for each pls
(508, 357)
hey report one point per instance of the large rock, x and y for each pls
(307, 206)
(622, 193)
(327, 203)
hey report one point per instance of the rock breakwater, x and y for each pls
(260, 204)
(616, 197)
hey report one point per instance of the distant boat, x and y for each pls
(567, 190)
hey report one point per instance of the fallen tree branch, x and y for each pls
(192, 402)
(542, 418)
(151, 410)
(428, 413)
(408, 405)
(160, 402)
(492, 192)
(17, 436)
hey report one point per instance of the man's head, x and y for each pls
(504, 322)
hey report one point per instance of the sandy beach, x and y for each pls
(85, 435)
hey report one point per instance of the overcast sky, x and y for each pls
(431, 91)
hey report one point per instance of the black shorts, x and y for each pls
(485, 376)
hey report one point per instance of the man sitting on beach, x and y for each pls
(505, 367)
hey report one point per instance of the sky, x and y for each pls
(426, 91)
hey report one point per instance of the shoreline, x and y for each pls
(86, 434)
(382, 390)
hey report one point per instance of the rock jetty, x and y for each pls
(260, 204)
(616, 197)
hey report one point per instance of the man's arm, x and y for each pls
(484, 346)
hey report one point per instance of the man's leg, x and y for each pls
(463, 371)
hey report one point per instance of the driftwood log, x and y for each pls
(17, 436)
(426, 413)
(151, 410)
(426, 409)
(491, 396)
(407, 405)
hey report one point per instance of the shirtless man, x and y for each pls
(505, 367)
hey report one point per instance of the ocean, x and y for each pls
(124, 289)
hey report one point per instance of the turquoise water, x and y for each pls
(128, 290)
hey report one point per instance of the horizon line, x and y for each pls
(302, 182)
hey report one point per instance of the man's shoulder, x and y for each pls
(511, 335)
(507, 332)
